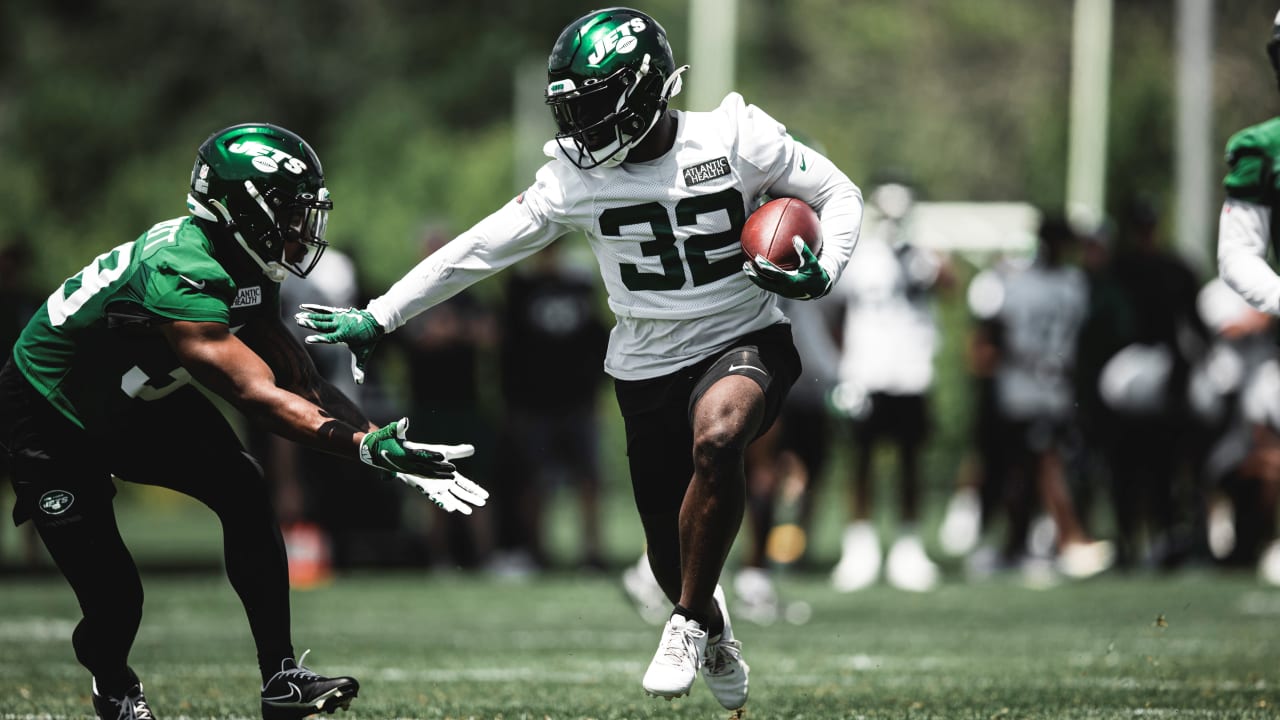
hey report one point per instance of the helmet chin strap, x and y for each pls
(273, 270)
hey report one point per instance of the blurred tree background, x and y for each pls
(410, 105)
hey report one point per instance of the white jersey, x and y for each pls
(664, 232)
(889, 332)
(1041, 309)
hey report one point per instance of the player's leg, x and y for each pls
(1079, 554)
(220, 474)
(908, 567)
(725, 420)
(735, 402)
(859, 564)
(658, 437)
(62, 486)
(806, 445)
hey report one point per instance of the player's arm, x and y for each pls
(1243, 231)
(810, 176)
(225, 365)
(294, 370)
(512, 233)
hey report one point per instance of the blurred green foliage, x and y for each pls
(102, 102)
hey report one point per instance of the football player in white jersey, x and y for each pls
(701, 355)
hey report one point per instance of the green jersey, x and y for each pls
(93, 348)
(1253, 159)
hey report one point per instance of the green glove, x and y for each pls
(386, 448)
(357, 329)
(807, 282)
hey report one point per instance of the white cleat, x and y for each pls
(723, 668)
(859, 564)
(675, 665)
(909, 568)
(962, 523)
(1085, 559)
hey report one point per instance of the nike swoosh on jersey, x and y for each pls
(747, 367)
(192, 283)
(803, 164)
(293, 696)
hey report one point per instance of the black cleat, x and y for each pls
(296, 692)
(133, 706)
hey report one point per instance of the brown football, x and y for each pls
(769, 230)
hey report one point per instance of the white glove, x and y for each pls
(455, 494)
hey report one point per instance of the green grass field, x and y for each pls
(1198, 645)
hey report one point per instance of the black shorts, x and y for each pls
(658, 412)
(62, 472)
(904, 419)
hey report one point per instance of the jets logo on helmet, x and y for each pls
(610, 77)
(620, 40)
(264, 186)
(267, 158)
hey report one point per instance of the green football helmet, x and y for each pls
(265, 186)
(609, 79)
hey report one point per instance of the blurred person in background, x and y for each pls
(551, 360)
(98, 385)
(1035, 315)
(889, 340)
(1107, 327)
(1144, 385)
(1245, 226)
(701, 355)
(18, 302)
(308, 487)
(456, 340)
(980, 479)
(1234, 401)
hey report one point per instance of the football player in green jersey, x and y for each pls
(98, 385)
(1247, 229)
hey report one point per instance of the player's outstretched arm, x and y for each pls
(295, 371)
(355, 328)
(227, 366)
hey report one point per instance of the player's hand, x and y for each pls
(807, 282)
(456, 494)
(357, 329)
(388, 449)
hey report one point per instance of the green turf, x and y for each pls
(455, 646)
